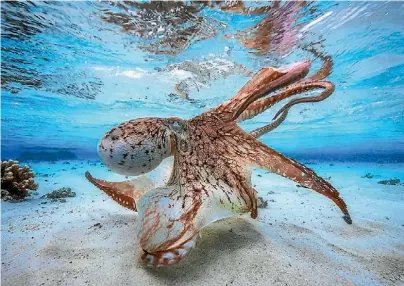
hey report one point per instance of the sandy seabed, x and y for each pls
(299, 239)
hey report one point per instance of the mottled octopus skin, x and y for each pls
(213, 159)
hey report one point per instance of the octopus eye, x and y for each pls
(177, 125)
(136, 147)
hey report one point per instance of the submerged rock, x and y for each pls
(368, 176)
(16, 181)
(61, 193)
(393, 182)
(261, 203)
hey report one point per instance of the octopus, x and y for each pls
(212, 159)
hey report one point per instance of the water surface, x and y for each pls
(72, 70)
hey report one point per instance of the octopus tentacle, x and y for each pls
(167, 232)
(170, 222)
(244, 104)
(283, 112)
(259, 86)
(325, 69)
(328, 86)
(260, 106)
(124, 193)
(170, 256)
(271, 126)
(267, 158)
(262, 83)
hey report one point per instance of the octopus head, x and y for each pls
(138, 146)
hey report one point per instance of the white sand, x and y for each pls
(300, 239)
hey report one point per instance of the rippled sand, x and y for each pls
(299, 239)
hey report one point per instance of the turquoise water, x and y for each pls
(72, 70)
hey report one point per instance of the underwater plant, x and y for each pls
(213, 160)
(16, 181)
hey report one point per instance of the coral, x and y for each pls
(16, 181)
(392, 182)
(61, 193)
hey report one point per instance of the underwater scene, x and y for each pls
(202, 143)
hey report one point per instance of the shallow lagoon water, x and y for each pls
(70, 72)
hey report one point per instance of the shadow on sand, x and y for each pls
(218, 242)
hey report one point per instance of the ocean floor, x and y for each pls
(299, 239)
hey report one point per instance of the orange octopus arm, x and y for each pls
(262, 83)
(267, 158)
(124, 193)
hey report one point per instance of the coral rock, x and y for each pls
(391, 182)
(61, 193)
(16, 181)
